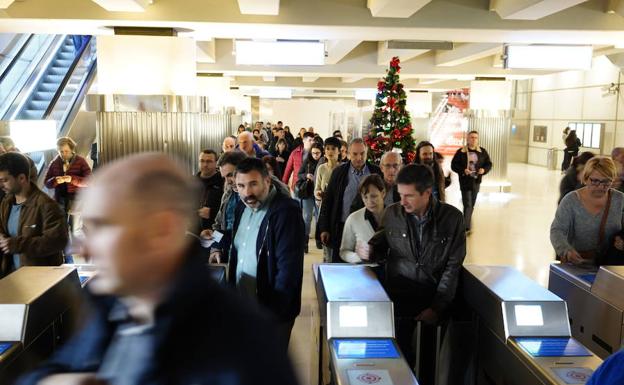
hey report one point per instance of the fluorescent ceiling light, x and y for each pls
(124, 5)
(365, 94)
(280, 52)
(276, 93)
(563, 57)
(33, 135)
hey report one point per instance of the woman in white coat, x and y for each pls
(361, 225)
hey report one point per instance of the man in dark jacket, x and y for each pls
(212, 188)
(266, 257)
(470, 163)
(32, 225)
(157, 318)
(423, 246)
(341, 196)
(425, 154)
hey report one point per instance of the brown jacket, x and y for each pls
(42, 233)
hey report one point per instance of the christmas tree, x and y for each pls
(391, 128)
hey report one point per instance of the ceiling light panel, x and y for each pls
(250, 52)
(560, 57)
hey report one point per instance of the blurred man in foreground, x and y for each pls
(157, 318)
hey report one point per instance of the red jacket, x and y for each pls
(292, 166)
(78, 169)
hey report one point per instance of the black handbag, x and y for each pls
(304, 189)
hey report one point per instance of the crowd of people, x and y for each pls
(254, 207)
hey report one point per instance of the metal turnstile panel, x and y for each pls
(609, 285)
(511, 304)
(356, 303)
(12, 321)
(594, 320)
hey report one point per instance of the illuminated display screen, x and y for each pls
(4, 346)
(590, 278)
(381, 348)
(553, 347)
(353, 316)
(529, 315)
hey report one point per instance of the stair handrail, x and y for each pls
(15, 58)
(66, 79)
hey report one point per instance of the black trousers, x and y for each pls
(408, 340)
(335, 243)
(567, 159)
(469, 199)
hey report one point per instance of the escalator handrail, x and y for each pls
(17, 56)
(68, 75)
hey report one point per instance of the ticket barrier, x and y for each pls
(595, 298)
(37, 306)
(522, 334)
(357, 324)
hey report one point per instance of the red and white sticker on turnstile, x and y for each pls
(369, 377)
(573, 375)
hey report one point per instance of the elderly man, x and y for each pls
(390, 164)
(341, 196)
(229, 144)
(157, 316)
(33, 230)
(250, 148)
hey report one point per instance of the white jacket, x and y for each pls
(356, 229)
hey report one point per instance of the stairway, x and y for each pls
(39, 101)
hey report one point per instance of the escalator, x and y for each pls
(46, 77)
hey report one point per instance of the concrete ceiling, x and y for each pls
(355, 32)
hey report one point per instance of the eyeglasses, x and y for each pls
(600, 182)
(394, 165)
(316, 153)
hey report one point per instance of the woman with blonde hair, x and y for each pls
(588, 220)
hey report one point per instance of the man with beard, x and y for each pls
(266, 259)
(33, 230)
(425, 154)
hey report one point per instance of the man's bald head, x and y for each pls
(136, 212)
(148, 182)
(390, 165)
(245, 142)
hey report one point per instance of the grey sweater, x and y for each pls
(575, 228)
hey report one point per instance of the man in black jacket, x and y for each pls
(423, 245)
(212, 190)
(470, 163)
(341, 195)
(157, 317)
(266, 257)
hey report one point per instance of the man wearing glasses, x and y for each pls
(391, 163)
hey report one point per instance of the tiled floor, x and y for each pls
(508, 229)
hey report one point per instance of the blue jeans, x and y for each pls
(309, 209)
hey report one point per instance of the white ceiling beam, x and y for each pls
(259, 7)
(395, 8)
(497, 61)
(352, 79)
(338, 49)
(206, 51)
(123, 5)
(385, 54)
(430, 81)
(530, 9)
(268, 78)
(466, 53)
(4, 4)
(362, 63)
(309, 79)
